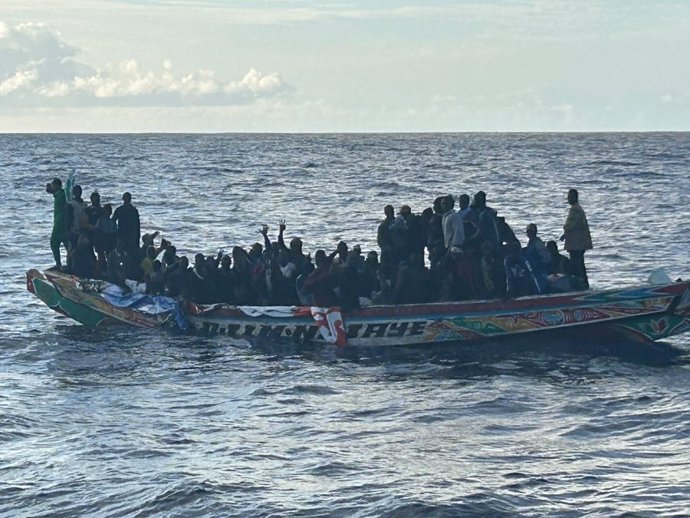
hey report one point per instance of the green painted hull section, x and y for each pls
(652, 329)
(68, 296)
(52, 298)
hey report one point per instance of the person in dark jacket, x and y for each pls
(197, 285)
(155, 281)
(118, 264)
(93, 211)
(487, 229)
(176, 277)
(435, 243)
(412, 283)
(59, 235)
(558, 263)
(384, 237)
(126, 217)
(520, 279)
(506, 235)
(83, 258)
(226, 281)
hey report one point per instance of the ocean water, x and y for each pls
(124, 422)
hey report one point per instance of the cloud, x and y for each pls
(38, 69)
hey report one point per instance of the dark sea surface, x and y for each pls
(120, 422)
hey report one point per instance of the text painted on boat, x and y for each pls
(310, 332)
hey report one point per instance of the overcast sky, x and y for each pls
(376, 65)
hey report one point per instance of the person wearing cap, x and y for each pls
(126, 217)
(577, 237)
(59, 234)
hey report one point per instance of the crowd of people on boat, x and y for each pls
(440, 254)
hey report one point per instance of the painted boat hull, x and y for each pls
(643, 313)
(66, 295)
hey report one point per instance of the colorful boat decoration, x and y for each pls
(644, 313)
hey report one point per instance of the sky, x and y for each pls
(344, 66)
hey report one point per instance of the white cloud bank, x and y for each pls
(38, 69)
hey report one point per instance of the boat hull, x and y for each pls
(72, 297)
(643, 313)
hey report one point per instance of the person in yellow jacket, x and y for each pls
(577, 237)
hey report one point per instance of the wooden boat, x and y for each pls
(644, 313)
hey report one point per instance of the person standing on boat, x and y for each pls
(75, 212)
(487, 229)
(384, 237)
(453, 227)
(459, 260)
(94, 210)
(92, 213)
(83, 261)
(417, 233)
(577, 237)
(59, 234)
(127, 218)
(435, 240)
(401, 234)
(464, 207)
(105, 235)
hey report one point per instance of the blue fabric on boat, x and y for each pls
(154, 305)
(115, 296)
(149, 304)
